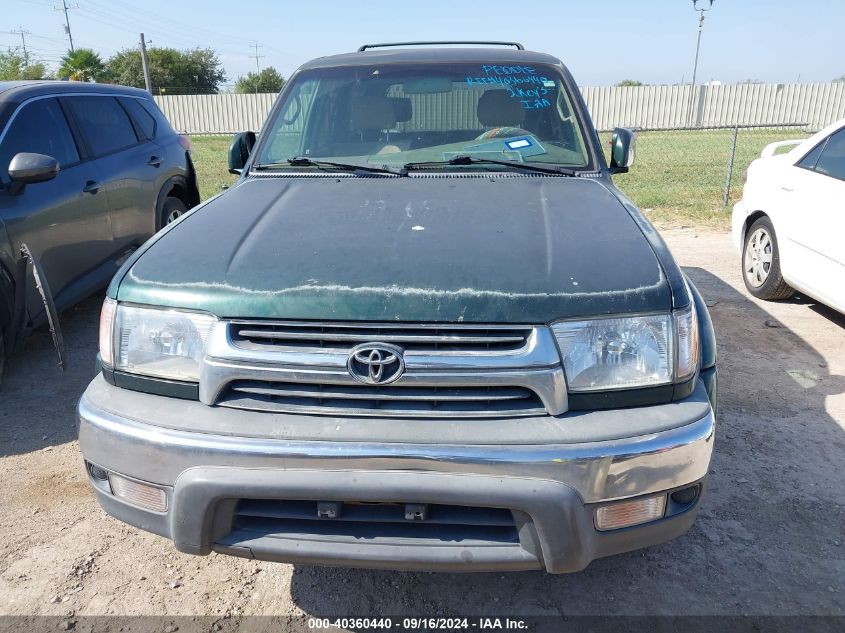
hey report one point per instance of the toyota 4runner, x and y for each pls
(423, 331)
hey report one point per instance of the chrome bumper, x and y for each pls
(553, 484)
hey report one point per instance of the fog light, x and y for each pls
(685, 496)
(138, 494)
(628, 513)
(100, 474)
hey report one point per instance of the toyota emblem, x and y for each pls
(376, 363)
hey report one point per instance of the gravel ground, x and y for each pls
(769, 539)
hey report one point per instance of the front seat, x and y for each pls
(371, 115)
(501, 113)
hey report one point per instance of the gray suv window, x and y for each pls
(143, 119)
(104, 125)
(163, 128)
(40, 126)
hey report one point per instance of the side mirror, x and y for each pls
(27, 168)
(239, 151)
(622, 150)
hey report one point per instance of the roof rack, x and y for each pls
(516, 45)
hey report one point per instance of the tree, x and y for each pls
(839, 79)
(268, 80)
(14, 66)
(630, 83)
(83, 64)
(171, 71)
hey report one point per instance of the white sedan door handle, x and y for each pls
(787, 188)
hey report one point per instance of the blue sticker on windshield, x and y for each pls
(525, 145)
(516, 146)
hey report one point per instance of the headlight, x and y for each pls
(628, 352)
(155, 342)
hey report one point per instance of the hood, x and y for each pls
(484, 250)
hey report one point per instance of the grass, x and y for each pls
(210, 161)
(678, 177)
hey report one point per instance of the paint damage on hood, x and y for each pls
(478, 250)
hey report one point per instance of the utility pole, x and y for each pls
(256, 46)
(701, 10)
(145, 64)
(65, 8)
(23, 33)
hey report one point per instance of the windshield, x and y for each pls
(395, 114)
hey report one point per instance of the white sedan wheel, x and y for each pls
(758, 257)
(761, 263)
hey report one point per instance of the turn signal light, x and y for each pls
(628, 513)
(138, 494)
(106, 325)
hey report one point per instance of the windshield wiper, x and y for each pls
(304, 161)
(466, 159)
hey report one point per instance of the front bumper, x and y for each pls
(551, 489)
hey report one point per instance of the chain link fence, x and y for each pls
(696, 174)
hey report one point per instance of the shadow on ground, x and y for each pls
(38, 400)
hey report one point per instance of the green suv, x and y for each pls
(423, 331)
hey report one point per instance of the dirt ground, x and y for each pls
(769, 539)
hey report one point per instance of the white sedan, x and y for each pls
(790, 223)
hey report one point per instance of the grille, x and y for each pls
(375, 522)
(386, 401)
(451, 370)
(344, 336)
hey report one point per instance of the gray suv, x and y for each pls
(88, 172)
(423, 331)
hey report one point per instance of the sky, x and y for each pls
(602, 43)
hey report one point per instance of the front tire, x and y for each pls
(761, 263)
(171, 210)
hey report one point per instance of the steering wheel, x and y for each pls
(298, 103)
(502, 132)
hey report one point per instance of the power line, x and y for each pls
(181, 26)
(172, 29)
(157, 31)
(114, 14)
(44, 37)
(154, 25)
